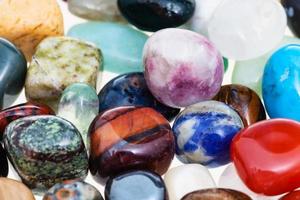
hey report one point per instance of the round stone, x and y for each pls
(204, 132)
(11, 189)
(177, 76)
(292, 8)
(241, 35)
(216, 194)
(136, 185)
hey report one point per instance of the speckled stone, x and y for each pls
(216, 194)
(73, 190)
(57, 63)
(45, 150)
(14, 190)
(79, 104)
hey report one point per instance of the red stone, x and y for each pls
(267, 156)
(22, 110)
(295, 195)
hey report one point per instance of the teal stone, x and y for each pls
(121, 45)
(226, 63)
(79, 104)
(45, 150)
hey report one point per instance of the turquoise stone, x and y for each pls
(249, 73)
(45, 150)
(79, 104)
(121, 45)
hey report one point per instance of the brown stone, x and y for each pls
(14, 190)
(216, 194)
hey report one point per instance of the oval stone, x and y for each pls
(73, 190)
(136, 185)
(216, 194)
(3, 163)
(204, 132)
(45, 150)
(131, 90)
(244, 101)
(103, 10)
(22, 110)
(158, 14)
(140, 138)
(11, 189)
(121, 45)
(79, 104)
(292, 8)
(13, 68)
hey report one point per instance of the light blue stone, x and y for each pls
(121, 45)
(79, 104)
(281, 83)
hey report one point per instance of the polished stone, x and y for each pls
(264, 156)
(179, 78)
(131, 90)
(136, 185)
(14, 190)
(216, 194)
(159, 14)
(121, 45)
(22, 110)
(26, 23)
(244, 101)
(73, 190)
(187, 178)
(249, 72)
(13, 67)
(3, 163)
(292, 8)
(57, 63)
(103, 10)
(79, 104)
(140, 138)
(204, 132)
(281, 83)
(241, 35)
(295, 195)
(45, 150)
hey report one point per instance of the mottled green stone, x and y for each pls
(80, 105)
(249, 73)
(45, 150)
(122, 46)
(57, 63)
(226, 63)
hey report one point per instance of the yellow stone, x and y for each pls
(27, 22)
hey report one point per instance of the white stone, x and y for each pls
(187, 178)
(245, 29)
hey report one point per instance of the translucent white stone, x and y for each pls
(245, 29)
(187, 178)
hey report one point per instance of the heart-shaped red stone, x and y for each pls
(267, 156)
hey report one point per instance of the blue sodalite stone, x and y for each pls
(136, 185)
(204, 132)
(281, 83)
(131, 90)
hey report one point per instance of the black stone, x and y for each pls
(3, 163)
(13, 68)
(131, 90)
(153, 15)
(292, 8)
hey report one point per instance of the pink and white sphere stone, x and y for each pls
(182, 67)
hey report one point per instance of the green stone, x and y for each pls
(79, 104)
(122, 46)
(45, 150)
(57, 63)
(226, 63)
(249, 73)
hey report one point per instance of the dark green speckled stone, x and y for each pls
(45, 150)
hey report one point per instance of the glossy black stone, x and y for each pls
(292, 8)
(3, 163)
(136, 185)
(13, 68)
(131, 90)
(153, 15)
